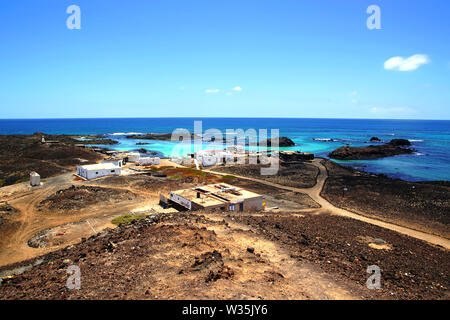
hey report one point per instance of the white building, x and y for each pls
(208, 160)
(134, 157)
(35, 179)
(93, 171)
(149, 161)
(236, 148)
(211, 157)
(225, 157)
(116, 162)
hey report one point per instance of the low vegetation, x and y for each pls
(126, 218)
(228, 178)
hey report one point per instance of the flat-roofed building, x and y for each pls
(210, 158)
(134, 157)
(93, 171)
(148, 161)
(214, 196)
(115, 161)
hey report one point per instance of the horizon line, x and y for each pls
(205, 117)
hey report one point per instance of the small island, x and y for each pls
(282, 142)
(151, 136)
(392, 148)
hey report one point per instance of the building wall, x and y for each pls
(92, 174)
(117, 163)
(255, 203)
(147, 160)
(133, 157)
(181, 200)
(35, 180)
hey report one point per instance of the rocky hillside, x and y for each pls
(21, 154)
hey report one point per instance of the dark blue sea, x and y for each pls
(431, 138)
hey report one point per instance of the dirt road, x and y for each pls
(26, 199)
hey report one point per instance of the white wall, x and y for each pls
(148, 160)
(95, 173)
(180, 200)
(117, 163)
(134, 157)
(35, 180)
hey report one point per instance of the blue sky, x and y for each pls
(246, 58)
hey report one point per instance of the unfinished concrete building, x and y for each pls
(214, 196)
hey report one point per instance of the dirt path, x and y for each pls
(298, 279)
(16, 248)
(315, 191)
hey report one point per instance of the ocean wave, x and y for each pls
(324, 139)
(415, 140)
(419, 154)
(123, 133)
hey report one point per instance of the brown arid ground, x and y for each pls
(300, 247)
(315, 193)
(298, 174)
(424, 206)
(21, 154)
(242, 256)
(65, 209)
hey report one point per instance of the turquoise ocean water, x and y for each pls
(431, 139)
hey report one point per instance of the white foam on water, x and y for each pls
(123, 133)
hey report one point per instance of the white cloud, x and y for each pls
(392, 111)
(212, 90)
(406, 64)
(237, 88)
(353, 97)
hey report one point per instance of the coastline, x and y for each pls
(430, 138)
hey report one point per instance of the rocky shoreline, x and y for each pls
(282, 141)
(422, 206)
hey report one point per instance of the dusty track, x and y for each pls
(15, 248)
(315, 191)
(302, 280)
